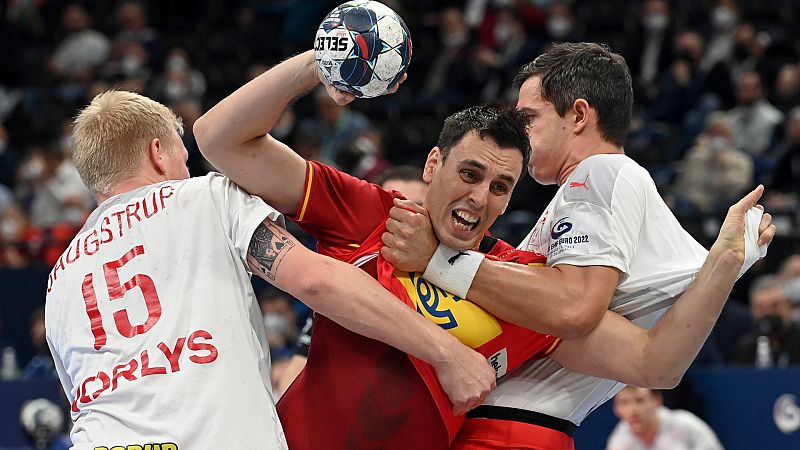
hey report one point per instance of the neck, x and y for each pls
(648, 435)
(129, 184)
(584, 150)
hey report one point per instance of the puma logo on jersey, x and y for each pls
(584, 185)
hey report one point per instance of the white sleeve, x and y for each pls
(240, 212)
(600, 227)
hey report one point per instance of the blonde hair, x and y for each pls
(112, 134)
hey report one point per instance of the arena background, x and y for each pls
(55, 55)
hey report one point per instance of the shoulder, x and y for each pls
(600, 178)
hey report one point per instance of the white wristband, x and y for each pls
(752, 251)
(453, 270)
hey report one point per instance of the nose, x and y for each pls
(479, 194)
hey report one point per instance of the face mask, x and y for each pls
(9, 229)
(276, 323)
(741, 52)
(32, 170)
(559, 26)
(503, 33)
(130, 64)
(718, 143)
(655, 22)
(174, 90)
(177, 63)
(723, 18)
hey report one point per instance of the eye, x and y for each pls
(499, 188)
(469, 176)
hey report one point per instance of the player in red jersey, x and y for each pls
(374, 395)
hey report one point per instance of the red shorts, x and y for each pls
(491, 434)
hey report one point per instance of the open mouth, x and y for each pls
(464, 220)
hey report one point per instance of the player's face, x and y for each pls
(547, 131)
(637, 407)
(176, 160)
(469, 189)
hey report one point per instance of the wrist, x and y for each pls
(308, 73)
(453, 270)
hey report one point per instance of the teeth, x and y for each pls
(467, 217)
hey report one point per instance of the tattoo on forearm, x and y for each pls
(267, 247)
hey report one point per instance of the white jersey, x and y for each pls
(154, 326)
(607, 213)
(677, 430)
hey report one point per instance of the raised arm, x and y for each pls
(356, 301)
(619, 350)
(233, 134)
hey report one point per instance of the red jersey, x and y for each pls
(356, 392)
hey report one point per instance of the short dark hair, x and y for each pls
(506, 126)
(590, 71)
(399, 173)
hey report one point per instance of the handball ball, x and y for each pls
(363, 47)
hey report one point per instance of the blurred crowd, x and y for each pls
(717, 88)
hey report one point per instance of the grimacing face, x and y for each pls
(469, 189)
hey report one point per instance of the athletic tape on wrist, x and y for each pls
(752, 251)
(453, 270)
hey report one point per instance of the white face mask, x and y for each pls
(503, 33)
(718, 143)
(177, 63)
(723, 18)
(131, 64)
(559, 26)
(32, 170)
(174, 90)
(9, 229)
(655, 22)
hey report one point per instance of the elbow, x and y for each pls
(578, 321)
(311, 286)
(661, 380)
(203, 134)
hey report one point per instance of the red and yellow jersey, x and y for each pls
(376, 396)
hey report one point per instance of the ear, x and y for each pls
(156, 155)
(430, 164)
(583, 113)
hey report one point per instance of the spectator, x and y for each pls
(784, 184)
(724, 18)
(78, 55)
(754, 120)
(406, 180)
(786, 94)
(335, 125)
(774, 315)
(280, 320)
(714, 172)
(646, 424)
(180, 81)
(651, 53)
(41, 367)
(13, 225)
(59, 195)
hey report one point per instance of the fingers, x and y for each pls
(409, 206)
(393, 88)
(750, 200)
(766, 229)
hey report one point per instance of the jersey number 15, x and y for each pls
(116, 291)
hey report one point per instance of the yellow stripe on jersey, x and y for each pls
(465, 320)
(354, 245)
(550, 349)
(308, 191)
